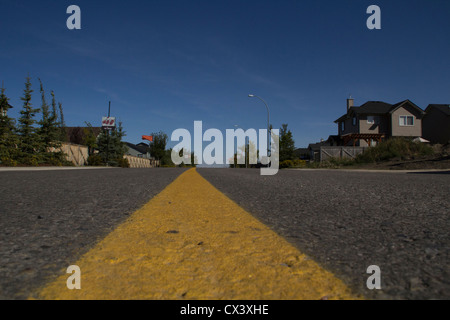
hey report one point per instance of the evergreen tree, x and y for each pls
(110, 146)
(118, 147)
(287, 144)
(45, 125)
(55, 126)
(49, 131)
(90, 139)
(29, 144)
(103, 140)
(62, 124)
(8, 137)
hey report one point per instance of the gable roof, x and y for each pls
(143, 145)
(402, 103)
(370, 107)
(445, 108)
(373, 107)
(376, 108)
(139, 148)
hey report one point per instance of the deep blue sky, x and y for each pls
(164, 64)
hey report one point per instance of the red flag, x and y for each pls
(149, 138)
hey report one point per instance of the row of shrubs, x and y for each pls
(391, 149)
(395, 148)
(34, 161)
(297, 163)
(97, 160)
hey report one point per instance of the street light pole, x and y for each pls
(268, 122)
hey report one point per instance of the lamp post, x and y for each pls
(268, 122)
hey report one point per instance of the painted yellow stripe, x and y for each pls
(192, 242)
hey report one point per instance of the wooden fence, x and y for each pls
(75, 153)
(136, 162)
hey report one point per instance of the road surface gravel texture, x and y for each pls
(50, 218)
(191, 242)
(344, 220)
(347, 221)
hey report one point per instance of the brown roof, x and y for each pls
(376, 107)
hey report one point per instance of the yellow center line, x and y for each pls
(192, 242)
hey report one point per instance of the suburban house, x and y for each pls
(140, 150)
(138, 155)
(436, 123)
(375, 121)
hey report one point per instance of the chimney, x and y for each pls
(350, 103)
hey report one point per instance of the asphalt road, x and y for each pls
(48, 219)
(347, 221)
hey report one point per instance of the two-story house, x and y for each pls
(375, 121)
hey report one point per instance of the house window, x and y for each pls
(354, 121)
(406, 121)
(342, 126)
(371, 119)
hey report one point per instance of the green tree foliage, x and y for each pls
(287, 144)
(158, 148)
(166, 159)
(116, 137)
(62, 124)
(110, 146)
(181, 153)
(48, 131)
(401, 148)
(29, 141)
(8, 137)
(90, 140)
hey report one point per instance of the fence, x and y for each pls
(136, 162)
(75, 153)
(326, 153)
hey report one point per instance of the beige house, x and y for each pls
(375, 121)
(436, 123)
